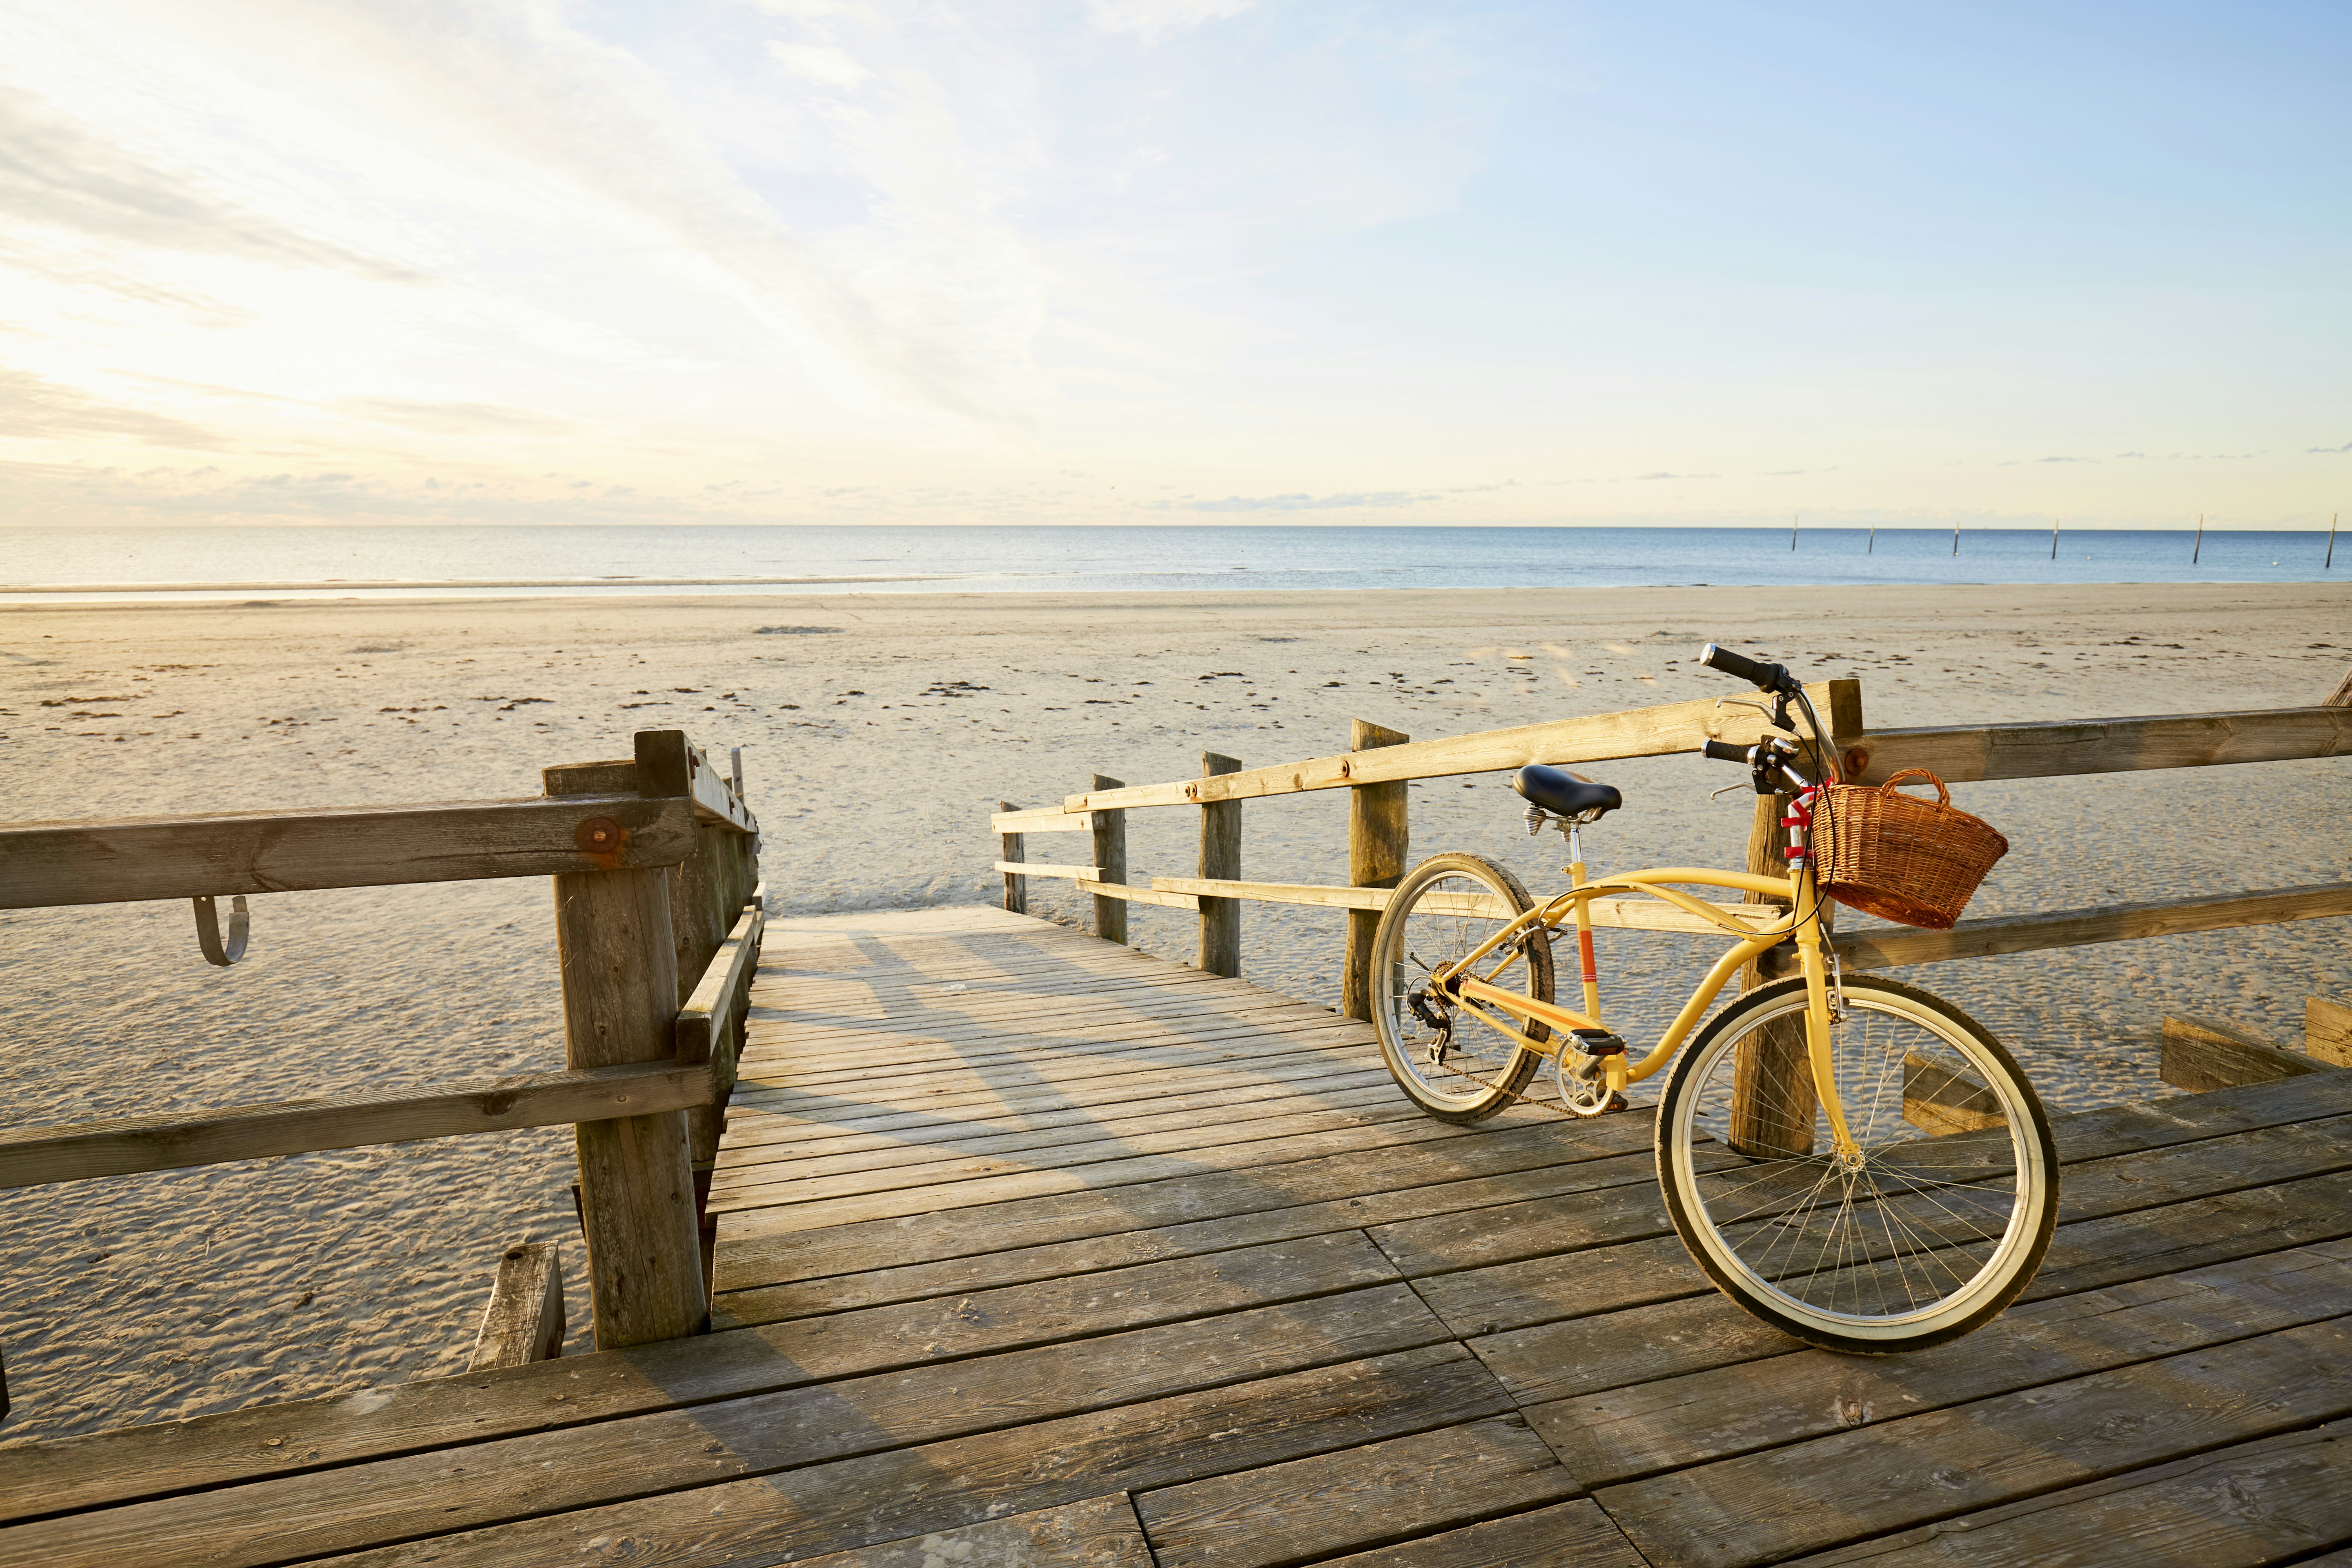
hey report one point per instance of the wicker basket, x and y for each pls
(1901, 858)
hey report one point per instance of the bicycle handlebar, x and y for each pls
(1765, 676)
(1725, 751)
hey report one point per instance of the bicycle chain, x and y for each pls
(1559, 1110)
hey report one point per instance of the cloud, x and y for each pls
(2346, 447)
(59, 174)
(1302, 502)
(825, 67)
(453, 418)
(33, 407)
(1152, 20)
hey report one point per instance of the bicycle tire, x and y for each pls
(1941, 1225)
(1471, 1077)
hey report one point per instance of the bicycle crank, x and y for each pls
(1581, 1077)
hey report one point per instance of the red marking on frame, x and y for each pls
(1584, 948)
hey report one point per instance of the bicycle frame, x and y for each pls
(1801, 923)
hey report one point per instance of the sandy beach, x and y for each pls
(877, 731)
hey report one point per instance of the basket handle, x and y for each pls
(1943, 796)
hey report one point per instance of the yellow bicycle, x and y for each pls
(1851, 1160)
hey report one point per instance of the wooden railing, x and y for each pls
(1377, 771)
(659, 914)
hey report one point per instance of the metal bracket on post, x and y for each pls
(208, 936)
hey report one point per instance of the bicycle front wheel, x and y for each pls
(1928, 1232)
(1455, 1067)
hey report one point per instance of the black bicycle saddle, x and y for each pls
(1562, 793)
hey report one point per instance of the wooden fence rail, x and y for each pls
(660, 915)
(1384, 761)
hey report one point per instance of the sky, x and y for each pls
(1213, 261)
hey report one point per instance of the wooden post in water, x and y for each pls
(2329, 564)
(1377, 841)
(2199, 548)
(1110, 863)
(1012, 847)
(1221, 857)
(2053, 539)
(619, 962)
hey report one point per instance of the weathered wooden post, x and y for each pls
(1015, 848)
(1773, 1102)
(1772, 1098)
(1221, 858)
(1378, 842)
(1110, 863)
(619, 962)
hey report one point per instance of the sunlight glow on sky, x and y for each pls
(1173, 261)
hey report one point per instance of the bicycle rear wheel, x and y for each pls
(1455, 1067)
(1936, 1227)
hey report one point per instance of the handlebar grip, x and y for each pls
(1770, 677)
(1725, 751)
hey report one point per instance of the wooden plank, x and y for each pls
(1887, 948)
(2327, 1031)
(1352, 1183)
(1043, 819)
(1794, 1395)
(1005, 1057)
(1565, 1535)
(2267, 1501)
(1639, 733)
(704, 1028)
(30, 1156)
(1964, 753)
(1622, 914)
(1068, 1391)
(1125, 894)
(216, 1450)
(1042, 868)
(747, 1219)
(1100, 1532)
(2207, 1053)
(524, 1319)
(1220, 950)
(765, 1187)
(1379, 845)
(1767, 1507)
(1353, 1497)
(1110, 855)
(748, 1160)
(851, 1502)
(1011, 1062)
(127, 859)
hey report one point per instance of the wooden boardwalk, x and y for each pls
(1038, 1251)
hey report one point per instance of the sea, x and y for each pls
(55, 566)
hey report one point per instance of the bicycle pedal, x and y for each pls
(1596, 1042)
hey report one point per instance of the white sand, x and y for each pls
(159, 1297)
